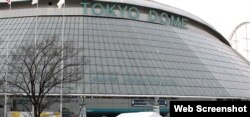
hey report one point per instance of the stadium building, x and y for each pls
(139, 51)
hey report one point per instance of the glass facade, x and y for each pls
(129, 57)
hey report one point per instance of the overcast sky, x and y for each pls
(223, 15)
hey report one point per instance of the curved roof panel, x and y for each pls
(156, 5)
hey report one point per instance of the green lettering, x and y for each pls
(164, 16)
(98, 9)
(184, 23)
(95, 8)
(85, 4)
(175, 21)
(152, 16)
(122, 11)
(136, 11)
(110, 10)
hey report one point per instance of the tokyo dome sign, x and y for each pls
(133, 12)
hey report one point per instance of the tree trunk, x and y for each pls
(36, 111)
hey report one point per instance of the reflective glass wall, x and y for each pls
(129, 57)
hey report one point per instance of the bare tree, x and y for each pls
(37, 70)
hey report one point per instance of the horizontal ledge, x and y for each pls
(127, 96)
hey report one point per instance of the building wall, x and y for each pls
(129, 57)
(138, 58)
